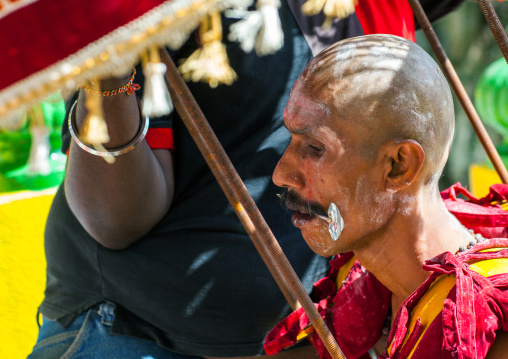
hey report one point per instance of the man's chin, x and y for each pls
(321, 243)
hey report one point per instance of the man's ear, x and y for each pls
(404, 159)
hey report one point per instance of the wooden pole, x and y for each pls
(495, 26)
(243, 204)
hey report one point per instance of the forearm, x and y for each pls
(118, 203)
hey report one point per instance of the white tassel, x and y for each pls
(38, 160)
(245, 31)
(238, 4)
(259, 29)
(270, 38)
(156, 99)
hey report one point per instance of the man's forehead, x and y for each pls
(306, 109)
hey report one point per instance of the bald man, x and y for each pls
(371, 120)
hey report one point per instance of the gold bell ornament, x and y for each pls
(94, 130)
(210, 62)
(333, 9)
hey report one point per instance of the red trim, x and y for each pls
(386, 17)
(160, 138)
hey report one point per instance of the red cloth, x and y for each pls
(386, 17)
(473, 311)
(160, 138)
(46, 31)
(483, 215)
(355, 314)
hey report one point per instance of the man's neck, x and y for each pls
(395, 253)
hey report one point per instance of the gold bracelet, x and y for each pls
(129, 87)
(143, 128)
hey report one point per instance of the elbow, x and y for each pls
(119, 232)
(115, 239)
(116, 232)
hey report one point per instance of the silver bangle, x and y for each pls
(143, 128)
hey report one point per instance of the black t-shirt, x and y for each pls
(195, 283)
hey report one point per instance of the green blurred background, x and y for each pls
(469, 43)
(16, 171)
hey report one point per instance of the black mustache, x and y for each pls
(292, 201)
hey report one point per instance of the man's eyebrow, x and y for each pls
(304, 131)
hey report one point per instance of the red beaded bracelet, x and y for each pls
(129, 87)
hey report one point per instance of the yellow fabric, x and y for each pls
(22, 269)
(305, 333)
(344, 271)
(490, 267)
(431, 304)
(480, 180)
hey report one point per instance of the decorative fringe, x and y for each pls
(209, 63)
(94, 130)
(333, 9)
(156, 99)
(260, 30)
(38, 159)
(168, 24)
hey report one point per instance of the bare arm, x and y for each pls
(118, 203)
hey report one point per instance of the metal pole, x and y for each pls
(242, 202)
(495, 26)
(459, 90)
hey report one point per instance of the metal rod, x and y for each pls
(242, 202)
(459, 90)
(495, 26)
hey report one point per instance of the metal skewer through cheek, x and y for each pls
(327, 219)
(324, 218)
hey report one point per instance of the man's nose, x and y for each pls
(287, 174)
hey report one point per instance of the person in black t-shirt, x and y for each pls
(145, 257)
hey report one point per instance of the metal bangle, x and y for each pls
(143, 128)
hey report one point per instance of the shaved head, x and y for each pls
(391, 89)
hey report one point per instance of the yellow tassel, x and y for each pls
(94, 130)
(209, 63)
(333, 9)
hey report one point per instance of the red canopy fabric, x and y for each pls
(48, 45)
(44, 32)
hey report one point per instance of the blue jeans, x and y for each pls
(88, 337)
